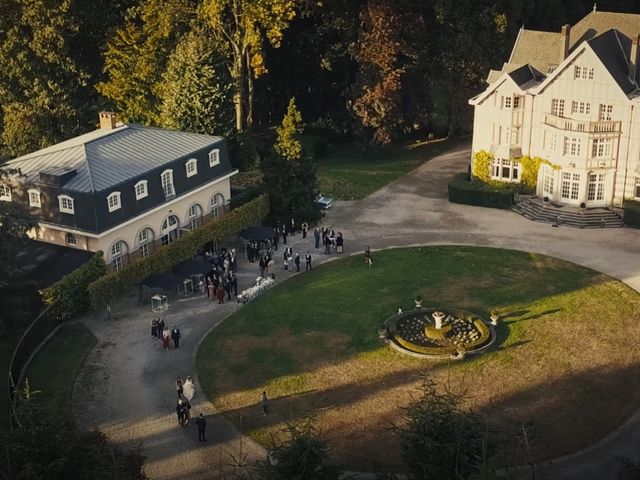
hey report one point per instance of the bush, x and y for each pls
(69, 294)
(245, 196)
(632, 213)
(479, 193)
(105, 289)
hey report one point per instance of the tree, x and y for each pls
(196, 89)
(286, 144)
(137, 55)
(441, 440)
(240, 26)
(301, 456)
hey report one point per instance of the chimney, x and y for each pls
(107, 120)
(633, 58)
(565, 36)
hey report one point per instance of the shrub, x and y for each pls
(245, 196)
(479, 193)
(632, 213)
(69, 294)
(105, 289)
(481, 165)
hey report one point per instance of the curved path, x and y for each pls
(126, 386)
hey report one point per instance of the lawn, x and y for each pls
(54, 368)
(566, 362)
(351, 173)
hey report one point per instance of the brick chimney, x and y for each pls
(107, 120)
(565, 37)
(633, 58)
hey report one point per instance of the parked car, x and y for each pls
(324, 202)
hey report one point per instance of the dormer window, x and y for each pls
(65, 204)
(34, 198)
(5, 193)
(191, 167)
(141, 189)
(214, 157)
(113, 201)
(167, 184)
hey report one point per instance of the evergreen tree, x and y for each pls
(196, 93)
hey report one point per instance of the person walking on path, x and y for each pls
(179, 387)
(305, 228)
(180, 412)
(175, 335)
(265, 403)
(316, 236)
(166, 338)
(188, 389)
(367, 256)
(297, 262)
(220, 294)
(187, 411)
(201, 423)
(307, 258)
(339, 243)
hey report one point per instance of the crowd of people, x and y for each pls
(221, 281)
(186, 391)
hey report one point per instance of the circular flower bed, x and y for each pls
(415, 333)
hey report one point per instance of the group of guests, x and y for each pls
(221, 280)
(186, 390)
(330, 239)
(162, 332)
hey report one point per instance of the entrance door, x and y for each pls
(169, 230)
(548, 182)
(570, 187)
(595, 189)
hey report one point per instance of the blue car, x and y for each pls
(324, 202)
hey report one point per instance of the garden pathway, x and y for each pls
(126, 386)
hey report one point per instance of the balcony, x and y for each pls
(585, 126)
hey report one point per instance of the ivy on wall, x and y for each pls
(482, 165)
(107, 288)
(528, 174)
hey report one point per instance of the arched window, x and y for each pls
(195, 212)
(145, 239)
(169, 229)
(167, 184)
(65, 204)
(71, 239)
(217, 205)
(191, 167)
(34, 198)
(5, 192)
(118, 250)
(214, 157)
(113, 201)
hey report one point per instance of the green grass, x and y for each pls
(312, 342)
(53, 370)
(350, 173)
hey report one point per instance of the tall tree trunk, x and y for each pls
(249, 93)
(238, 96)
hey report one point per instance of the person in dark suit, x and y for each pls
(201, 423)
(297, 262)
(307, 258)
(175, 335)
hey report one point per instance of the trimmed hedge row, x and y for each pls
(105, 289)
(69, 294)
(478, 193)
(632, 213)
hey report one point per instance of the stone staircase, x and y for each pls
(537, 210)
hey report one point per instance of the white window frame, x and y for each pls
(580, 108)
(595, 187)
(71, 239)
(507, 102)
(557, 107)
(113, 202)
(605, 114)
(216, 208)
(167, 186)
(5, 192)
(141, 189)
(601, 148)
(505, 170)
(66, 204)
(191, 167)
(34, 198)
(214, 157)
(548, 182)
(571, 147)
(144, 241)
(117, 254)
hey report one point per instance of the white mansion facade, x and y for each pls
(571, 98)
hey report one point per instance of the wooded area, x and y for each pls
(374, 69)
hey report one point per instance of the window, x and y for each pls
(65, 204)
(571, 146)
(553, 142)
(195, 211)
(167, 184)
(580, 108)
(515, 136)
(217, 205)
(144, 240)
(141, 189)
(637, 189)
(517, 102)
(71, 239)
(5, 193)
(595, 188)
(557, 107)
(34, 198)
(506, 102)
(605, 113)
(570, 185)
(583, 73)
(118, 249)
(214, 157)
(548, 181)
(504, 169)
(601, 148)
(113, 201)
(192, 167)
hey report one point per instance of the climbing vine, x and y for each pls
(530, 167)
(481, 165)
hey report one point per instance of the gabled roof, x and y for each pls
(104, 158)
(596, 23)
(613, 50)
(539, 49)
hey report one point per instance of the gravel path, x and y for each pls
(126, 387)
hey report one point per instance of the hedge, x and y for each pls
(69, 294)
(105, 289)
(478, 193)
(632, 213)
